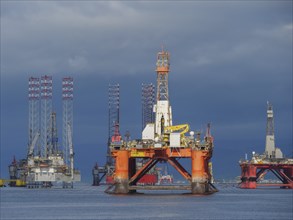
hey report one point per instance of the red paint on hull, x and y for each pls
(109, 180)
(148, 179)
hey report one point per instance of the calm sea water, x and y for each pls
(88, 202)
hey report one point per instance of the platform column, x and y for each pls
(121, 172)
(199, 184)
(244, 177)
(132, 170)
(248, 176)
(289, 173)
(252, 177)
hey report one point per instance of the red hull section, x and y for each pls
(109, 180)
(148, 179)
(252, 172)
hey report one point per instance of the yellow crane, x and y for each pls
(182, 129)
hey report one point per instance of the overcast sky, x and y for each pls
(228, 58)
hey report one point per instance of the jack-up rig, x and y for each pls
(46, 163)
(99, 172)
(162, 141)
(252, 171)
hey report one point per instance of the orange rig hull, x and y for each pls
(126, 175)
(252, 172)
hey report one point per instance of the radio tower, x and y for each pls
(162, 107)
(114, 112)
(34, 109)
(67, 100)
(148, 101)
(46, 111)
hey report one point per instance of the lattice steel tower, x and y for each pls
(46, 111)
(53, 144)
(114, 112)
(162, 107)
(162, 75)
(67, 100)
(148, 101)
(34, 109)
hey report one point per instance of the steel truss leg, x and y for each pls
(277, 174)
(286, 179)
(146, 168)
(180, 168)
(259, 173)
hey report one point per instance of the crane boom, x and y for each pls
(183, 128)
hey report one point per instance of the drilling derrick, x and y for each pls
(270, 136)
(270, 150)
(34, 109)
(162, 108)
(148, 101)
(67, 101)
(46, 111)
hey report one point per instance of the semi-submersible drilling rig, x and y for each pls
(46, 163)
(162, 141)
(254, 170)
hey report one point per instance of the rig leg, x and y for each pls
(96, 178)
(122, 172)
(248, 179)
(289, 173)
(200, 181)
(132, 170)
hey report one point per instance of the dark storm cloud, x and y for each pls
(227, 60)
(95, 36)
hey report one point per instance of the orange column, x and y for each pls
(244, 177)
(248, 176)
(199, 174)
(289, 173)
(252, 177)
(132, 170)
(121, 172)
